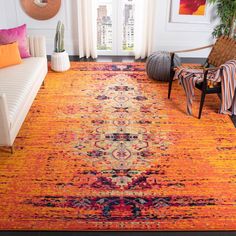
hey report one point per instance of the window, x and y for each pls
(115, 27)
(128, 25)
(104, 25)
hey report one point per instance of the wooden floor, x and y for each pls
(130, 59)
(127, 59)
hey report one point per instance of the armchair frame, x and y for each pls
(222, 51)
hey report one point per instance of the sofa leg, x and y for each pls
(43, 84)
(12, 149)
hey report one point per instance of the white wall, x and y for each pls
(167, 36)
(11, 15)
(178, 36)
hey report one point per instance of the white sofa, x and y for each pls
(19, 86)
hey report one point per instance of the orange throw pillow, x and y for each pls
(9, 55)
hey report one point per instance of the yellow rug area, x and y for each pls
(102, 148)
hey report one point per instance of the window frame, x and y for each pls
(117, 31)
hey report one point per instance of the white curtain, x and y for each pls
(87, 34)
(144, 27)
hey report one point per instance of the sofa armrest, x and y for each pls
(5, 139)
(37, 46)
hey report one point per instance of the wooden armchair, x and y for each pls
(222, 51)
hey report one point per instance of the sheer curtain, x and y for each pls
(87, 35)
(144, 27)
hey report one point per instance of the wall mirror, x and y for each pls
(41, 3)
(41, 9)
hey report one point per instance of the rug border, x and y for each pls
(117, 233)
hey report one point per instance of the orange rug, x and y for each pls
(103, 148)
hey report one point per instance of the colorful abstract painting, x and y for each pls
(192, 7)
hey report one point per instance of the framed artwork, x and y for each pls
(190, 11)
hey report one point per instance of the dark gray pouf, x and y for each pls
(158, 65)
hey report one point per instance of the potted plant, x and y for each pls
(60, 59)
(226, 10)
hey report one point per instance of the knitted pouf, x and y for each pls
(158, 65)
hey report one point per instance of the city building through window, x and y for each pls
(115, 27)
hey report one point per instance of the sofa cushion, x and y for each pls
(17, 34)
(9, 55)
(17, 82)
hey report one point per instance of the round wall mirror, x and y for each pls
(41, 9)
(41, 3)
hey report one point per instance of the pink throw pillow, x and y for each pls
(17, 34)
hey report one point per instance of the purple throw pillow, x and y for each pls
(17, 34)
